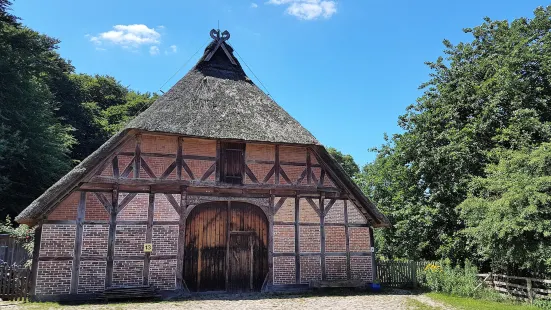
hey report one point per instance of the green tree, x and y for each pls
(33, 143)
(346, 161)
(508, 212)
(491, 92)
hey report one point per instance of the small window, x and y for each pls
(232, 163)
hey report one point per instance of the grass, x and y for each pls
(477, 304)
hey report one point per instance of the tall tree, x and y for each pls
(33, 144)
(489, 93)
(345, 160)
(508, 212)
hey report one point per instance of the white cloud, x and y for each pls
(154, 50)
(308, 9)
(254, 5)
(128, 36)
(174, 48)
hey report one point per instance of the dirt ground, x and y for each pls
(389, 300)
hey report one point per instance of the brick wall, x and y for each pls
(136, 209)
(94, 240)
(255, 151)
(284, 239)
(162, 274)
(95, 211)
(359, 239)
(107, 170)
(57, 240)
(286, 212)
(91, 278)
(306, 213)
(336, 213)
(54, 278)
(284, 270)
(165, 239)
(164, 211)
(310, 268)
(159, 144)
(158, 166)
(199, 147)
(129, 240)
(292, 154)
(309, 239)
(124, 161)
(335, 239)
(335, 267)
(354, 215)
(198, 168)
(67, 209)
(293, 173)
(127, 273)
(260, 171)
(360, 268)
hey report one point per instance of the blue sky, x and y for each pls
(345, 69)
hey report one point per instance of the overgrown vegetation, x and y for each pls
(467, 303)
(23, 234)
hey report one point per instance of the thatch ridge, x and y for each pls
(217, 100)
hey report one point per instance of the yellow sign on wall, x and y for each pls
(147, 247)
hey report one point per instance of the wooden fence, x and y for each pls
(400, 274)
(14, 283)
(522, 288)
(12, 252)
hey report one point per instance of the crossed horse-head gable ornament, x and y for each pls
(220, 38)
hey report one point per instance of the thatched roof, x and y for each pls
(215, 100)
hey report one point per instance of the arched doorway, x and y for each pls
(226, 253)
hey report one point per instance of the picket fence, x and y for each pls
(523, 288)
(14, 283)
(400, 274)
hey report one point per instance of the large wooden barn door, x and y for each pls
(226, 252)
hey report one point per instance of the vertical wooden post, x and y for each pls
(36, 253)
(228, 231)
(297, 240)
(115, 165)
(271, 210)
(179, 159)
(148, 237)
(413, 267)
(322, 235)
(529, 290)
(276, 164)
(308, 167)
(111, 237)
(78, 243)
(218, 162)
(138, 157)
(373, 260)
(347, 235)
(181, 239)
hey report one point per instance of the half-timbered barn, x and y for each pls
(213, 188)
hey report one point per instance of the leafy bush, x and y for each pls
(22, 233)
(543, 304)
(459, 281)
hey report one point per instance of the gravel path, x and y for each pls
(395, 300)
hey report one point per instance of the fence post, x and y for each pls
(413, 266)
(529, 289)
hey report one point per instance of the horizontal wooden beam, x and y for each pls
(104, 258)
(197, 184)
